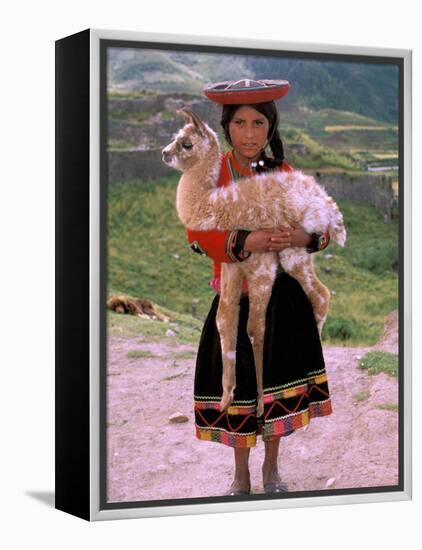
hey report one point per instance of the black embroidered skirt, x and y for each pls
(295, 379)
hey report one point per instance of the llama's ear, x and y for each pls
(197, 122)
(184, 113)
(191, 117)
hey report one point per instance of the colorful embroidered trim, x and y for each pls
(232, 440)
(230, 243)
(196, 247)
(284, 412)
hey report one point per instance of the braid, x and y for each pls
(277, 149)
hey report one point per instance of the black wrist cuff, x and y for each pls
(237, 243)
(313, 246)
(319, 241)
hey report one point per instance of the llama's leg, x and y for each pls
(260, 284)
(227, 323)
(299, 265)
(321, 303)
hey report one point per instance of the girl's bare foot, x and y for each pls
(242, 480)
(272, 481)
(241, 485)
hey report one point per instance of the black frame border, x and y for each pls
(72, 275)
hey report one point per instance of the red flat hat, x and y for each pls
(246, 91)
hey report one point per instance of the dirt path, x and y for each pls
(151, 458)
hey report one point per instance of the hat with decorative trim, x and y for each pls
(246, 91)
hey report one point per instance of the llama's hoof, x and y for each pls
(320, 322)
(226, 401)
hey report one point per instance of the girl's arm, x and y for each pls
(220, 246)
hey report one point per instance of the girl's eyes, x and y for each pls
(256, 122)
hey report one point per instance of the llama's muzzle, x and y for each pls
(166, 155)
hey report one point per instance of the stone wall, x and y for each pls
(162, 121)
(371, 189)
(151, 104)
(129, 166)
(142, 161)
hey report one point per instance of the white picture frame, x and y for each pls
(81, 99)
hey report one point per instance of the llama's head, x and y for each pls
(194, 143)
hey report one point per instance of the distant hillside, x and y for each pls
(365, 88)
(170, 72)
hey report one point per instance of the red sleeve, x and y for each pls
(211, 243)
(286, 167)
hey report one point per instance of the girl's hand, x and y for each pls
(276, 240)
(299, 237)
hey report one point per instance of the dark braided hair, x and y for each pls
(269, 110)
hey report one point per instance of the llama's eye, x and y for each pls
(187, 145)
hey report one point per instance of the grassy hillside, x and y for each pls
(148, 252)
(148, 256)
(332, 138)
(342, 130)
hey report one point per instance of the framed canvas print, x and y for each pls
(233, 303)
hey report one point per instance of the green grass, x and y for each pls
(168, 115)
(120, 144)
(317, 155)
(362, 396)
(149, 257)
(130, 94)
(138, 116)
(351, 148)
(188, 354)
(375, 362)
(140, 354)
(187, 329)
(363, 276)
(318, 119)
(393, 407)
(313, 123)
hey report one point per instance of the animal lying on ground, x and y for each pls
(135, 306)
(264, 201)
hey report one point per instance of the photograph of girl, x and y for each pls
(313, 397)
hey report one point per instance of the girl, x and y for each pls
(295, 381)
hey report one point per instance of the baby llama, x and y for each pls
(264, 201)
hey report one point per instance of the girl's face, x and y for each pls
(248, 131)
